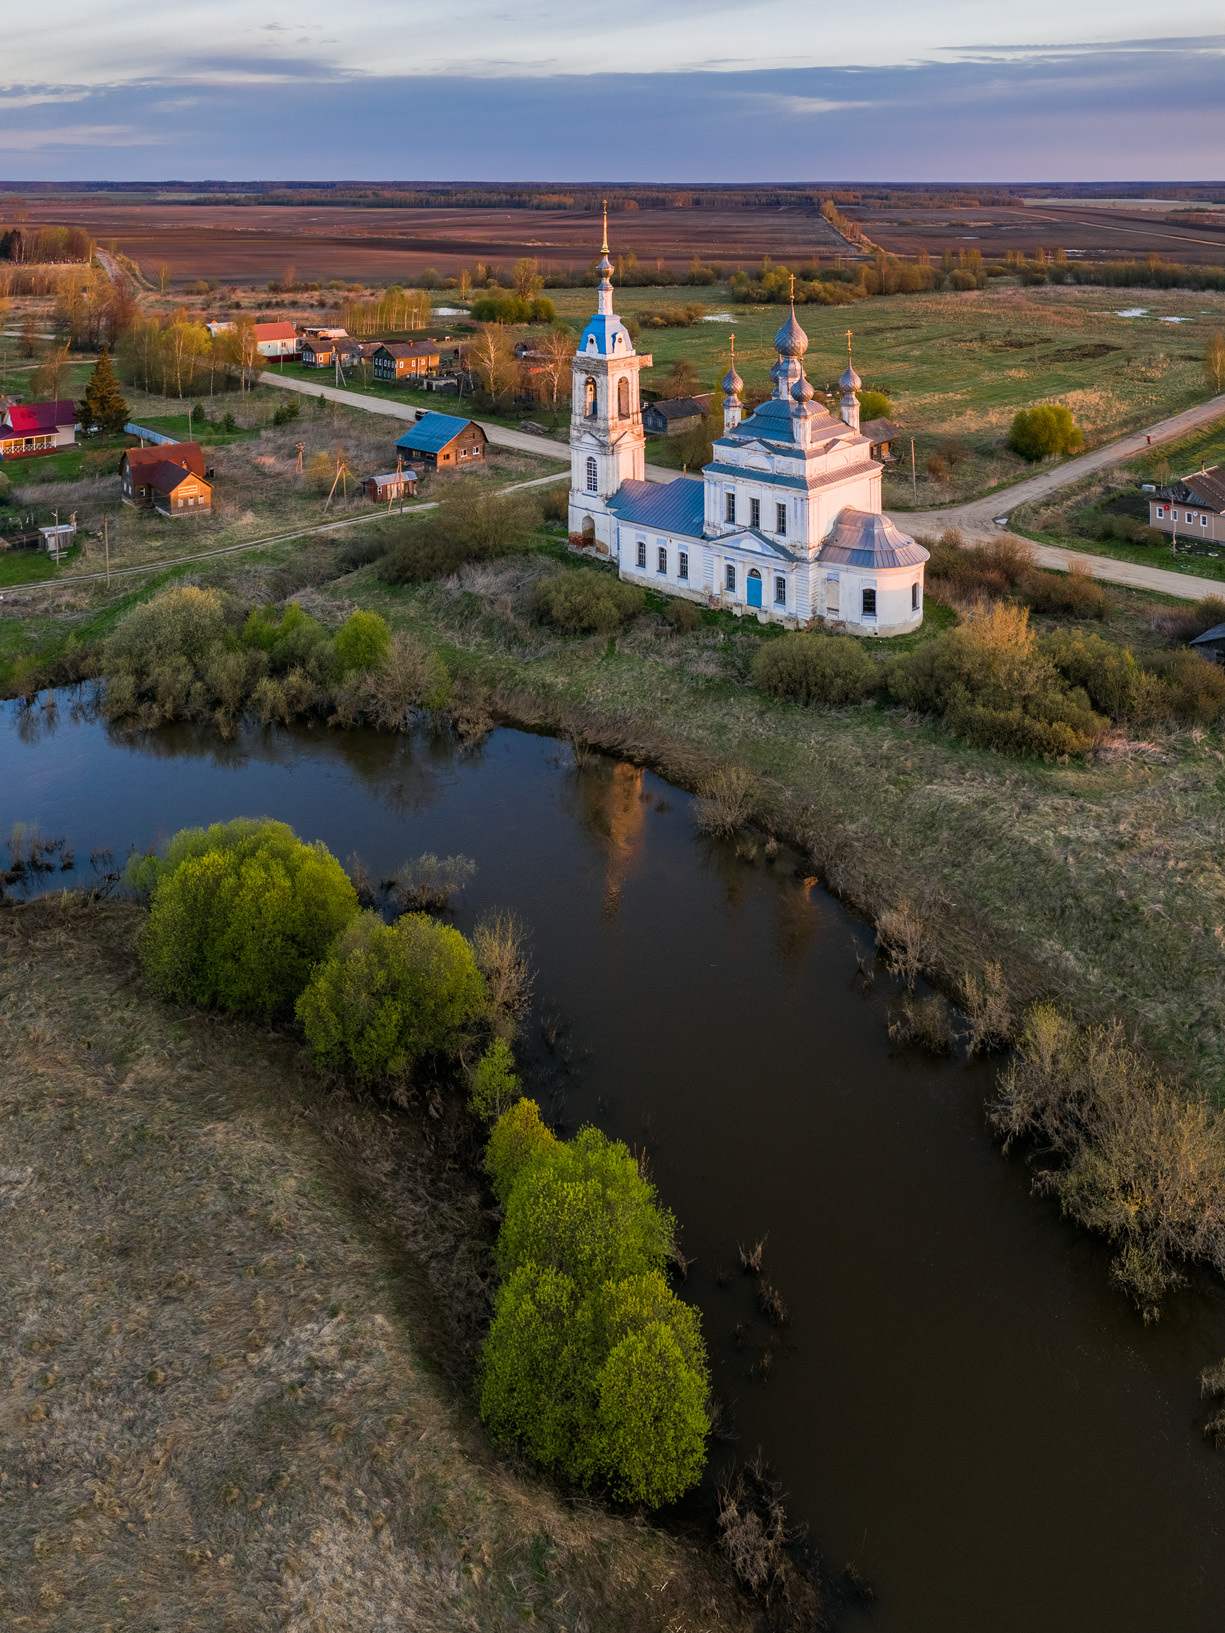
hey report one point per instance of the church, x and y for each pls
(785, 522)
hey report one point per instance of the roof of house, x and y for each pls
(682, 408)
(432, 433)
(673, 507)
(881, 430)
(322, 343)
(1203, 488)
(406, 348)
(167, 476)
(275, 331)
(1211, 637)
(395, 476)
(864, 538)
(187, 455)
(31, 418)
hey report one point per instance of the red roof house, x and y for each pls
(34, 428)
(155, 477)
(277, 339)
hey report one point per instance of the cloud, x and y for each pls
(802, 107)
(102, 136)
(33, 99)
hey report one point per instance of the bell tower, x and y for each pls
(607, 441)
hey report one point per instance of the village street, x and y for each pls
(975, 520)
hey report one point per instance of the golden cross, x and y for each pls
(605, 245)
(793, 289)
(848, 345)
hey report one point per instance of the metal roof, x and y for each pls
(863, 538)
(671, 507)
(880, 430)
(743, 473)
(680, 408)
(1203, 488)
(34, 417)
(1211, 637)
(432, 433)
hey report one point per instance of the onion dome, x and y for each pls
(791, 341)
(733, 385)
(849, 380)
(802, 391)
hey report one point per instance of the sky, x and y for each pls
(639, 90)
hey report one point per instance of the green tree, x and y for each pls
(517, 1136)
(652, 1419)
(681, 380)
(583, 1207)
(362, 641)
(241, 913)
(495, 1086)
(103, 404)
(389, 995)
(1037, 433)
(874, 405)
(536, 1373)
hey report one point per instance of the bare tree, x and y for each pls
(556, 353)
(491, 357)
(163, 278)
(1214, 361)
(525, 278)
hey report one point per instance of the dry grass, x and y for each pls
(235, 1312)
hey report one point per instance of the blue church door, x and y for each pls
(754, 587)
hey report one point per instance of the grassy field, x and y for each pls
(235, 1343)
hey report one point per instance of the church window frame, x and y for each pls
(593, 475)
(642, 554)
(914, 596)
(682, 565)
(754, 512)
(780, 520)
(729, 577)
(729, 506)
(591, 398)
(661, 565)
(780, 590)
(623, 397)
(869, 602)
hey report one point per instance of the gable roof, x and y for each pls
(187, 455)
(31, 418)
(275, 331)
(433, 432)
(1211, 637)
(864, 538)
(672, 507)
(167, 476)
(881, 430)
(407, 348)
(681, 408)
(1203, 488)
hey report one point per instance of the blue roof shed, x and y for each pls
(434, 432)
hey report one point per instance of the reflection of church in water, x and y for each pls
(786, 520)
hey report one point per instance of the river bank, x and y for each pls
(232, 1326)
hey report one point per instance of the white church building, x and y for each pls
(785, 522)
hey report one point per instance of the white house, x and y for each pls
(785, 522)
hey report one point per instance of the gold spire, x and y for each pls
(793, 291)
(604, 246)
(848, 348)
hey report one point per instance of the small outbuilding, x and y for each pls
(1212, 643)
(443, 442)
(672, 415)
(881, 434)
(393, 485)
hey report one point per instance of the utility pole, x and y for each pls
(106, 545)
(914, 478)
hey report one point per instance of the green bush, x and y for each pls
(1181, 687)
(241, 913)
(685, 615)
(470, 524)
(583, 1207)
(1104, 671)
(517, 1136)
(494, 1083)
(592, 1365)
(178, 623)
(390, 994)
(996, 687)
(581, 602)
(1037, 433)
(806, 668)
(874, 405)
(362, 642)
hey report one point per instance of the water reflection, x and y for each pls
(612, 806)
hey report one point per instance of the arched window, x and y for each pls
(589, 405)
(623, 397)
(593, 477)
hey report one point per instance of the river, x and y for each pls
(960, 1404)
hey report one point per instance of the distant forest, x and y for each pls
(544, 196)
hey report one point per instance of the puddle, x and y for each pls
(1133, 312)
(1173, 320)
(450, 312)
(719, 317)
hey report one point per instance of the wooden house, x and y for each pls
(440, 442)
(36, 428)
(396, 360)
(882, 434)
(277, 340)
(155, 478)
(1191, 510)
(392, 485)
(673, 415)
(318, 351)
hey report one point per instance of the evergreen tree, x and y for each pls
(103, 403)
